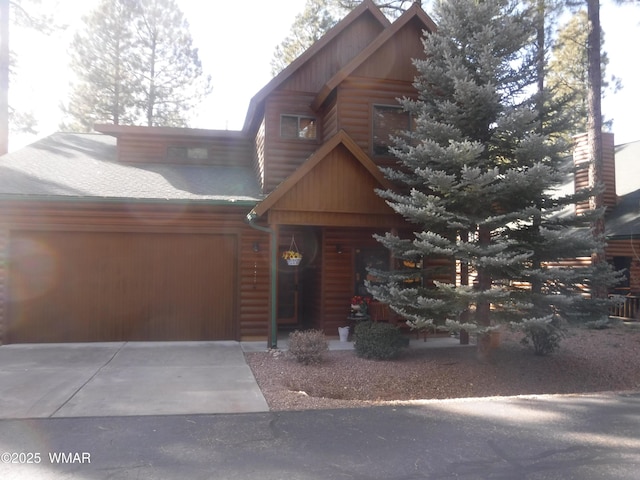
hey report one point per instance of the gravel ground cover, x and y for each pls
(588, 361)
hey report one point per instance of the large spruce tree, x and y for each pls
(481, 179)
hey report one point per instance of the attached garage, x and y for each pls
(114, 286)
(119, 238)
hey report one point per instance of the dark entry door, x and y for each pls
(288, 293)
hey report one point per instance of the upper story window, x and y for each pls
(296, 126)
(388, 121)
(187, 153)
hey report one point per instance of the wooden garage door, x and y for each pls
(92, 286)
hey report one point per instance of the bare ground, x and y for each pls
(587, 361)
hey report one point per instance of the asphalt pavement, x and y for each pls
(581, 437)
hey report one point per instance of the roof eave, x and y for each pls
(415, 11)
(259, 97)
(339, 138)
(119, 130)
(243, 202)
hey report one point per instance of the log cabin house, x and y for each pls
(138, 233)
(622, 218)
(162, 234)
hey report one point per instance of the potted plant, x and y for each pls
(292, 255)
(359, 305)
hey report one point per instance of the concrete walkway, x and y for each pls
(138, 378)
(114, 379)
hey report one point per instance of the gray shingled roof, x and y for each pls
(85, 165)
(624, 219)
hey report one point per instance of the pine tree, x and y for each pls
(308, 27)
(391, 8)
(166, 66)
(317, 18)
(568, 70)
(135, 64)
(479, 176)
(101, 59)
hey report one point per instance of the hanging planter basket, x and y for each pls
(292, 256)
(294, 262)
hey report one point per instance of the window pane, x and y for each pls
(289, 126)
(293, 126)
(387, 121)
(307, 128)
(187, 153)
(197, 153)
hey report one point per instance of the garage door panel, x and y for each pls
(93, 286)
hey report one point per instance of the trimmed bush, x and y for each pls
(378, 340)
(601, 324)
(544, 334)
(308, 346)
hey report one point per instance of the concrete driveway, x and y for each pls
(114, 379)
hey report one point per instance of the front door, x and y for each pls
(288, 293)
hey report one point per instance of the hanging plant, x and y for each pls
(292, 256)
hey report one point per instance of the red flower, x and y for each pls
(360, 300)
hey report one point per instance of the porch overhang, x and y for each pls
(334, 187)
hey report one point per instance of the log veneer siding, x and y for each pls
(250, 282)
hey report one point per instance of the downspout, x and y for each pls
(272, 339)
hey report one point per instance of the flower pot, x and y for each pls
(343, 332)
(293, 262)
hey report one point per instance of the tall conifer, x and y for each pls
(135, 65)
(481, 180)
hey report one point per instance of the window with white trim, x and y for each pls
(297, 126)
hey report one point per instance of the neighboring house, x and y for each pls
(621, 178)
(623, 221)
(142, 233)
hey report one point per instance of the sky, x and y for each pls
(236, 41)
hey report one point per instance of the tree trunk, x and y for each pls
(594, 125)
(536, 284)
(540, 59)
(483, 306)
(4, 76)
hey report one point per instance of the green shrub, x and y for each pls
(308, 346)
(378, 340)
(544, 334)
(601, 324)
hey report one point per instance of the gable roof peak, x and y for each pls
(340, 138)
(414, 12)
(280, 78)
